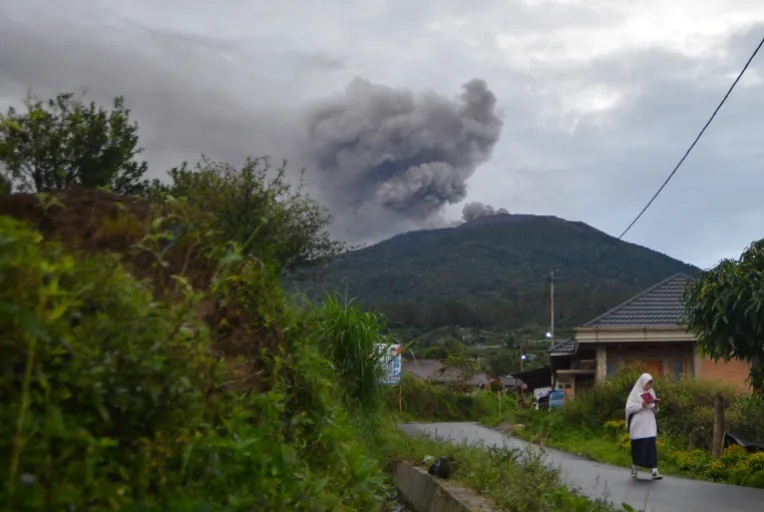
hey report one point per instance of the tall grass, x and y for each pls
(515, 481)
(349, 338)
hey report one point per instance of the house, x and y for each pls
(646, 332)
(534, 379)
(434, 371)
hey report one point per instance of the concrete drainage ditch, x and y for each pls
(425, 493)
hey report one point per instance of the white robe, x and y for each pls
(643, 424)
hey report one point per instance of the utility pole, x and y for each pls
(551, 301)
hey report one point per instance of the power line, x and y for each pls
(620, 237)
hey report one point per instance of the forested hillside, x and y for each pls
(493, 272)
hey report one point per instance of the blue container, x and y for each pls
(556, 397)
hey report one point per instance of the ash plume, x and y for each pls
(389, 155)
(475, 209)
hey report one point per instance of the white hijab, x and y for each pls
(634, 402)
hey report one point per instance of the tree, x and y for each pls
(62, 142)
(459, 358)
(256, 207)
(725, 309)
(502, 363)
(5, 185)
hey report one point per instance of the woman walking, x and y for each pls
(643, 429)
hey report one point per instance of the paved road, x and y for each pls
(601, 480)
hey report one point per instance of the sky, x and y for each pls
(404, 112)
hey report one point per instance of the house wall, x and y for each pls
(662, 360)
(671, 360)
(734, 372)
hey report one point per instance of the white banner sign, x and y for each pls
(390, 359)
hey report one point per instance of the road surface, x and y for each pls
(597, 480)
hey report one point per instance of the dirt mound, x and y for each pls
(92, 220)
(75, 217)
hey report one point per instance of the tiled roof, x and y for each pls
(659, 305)
(565, 347)
(430, 369)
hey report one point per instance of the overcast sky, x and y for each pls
(576, 108)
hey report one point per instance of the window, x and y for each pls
(611, 370)
(678, 369)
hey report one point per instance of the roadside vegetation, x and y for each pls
(515, 481)
(152, 360)
(593, 426)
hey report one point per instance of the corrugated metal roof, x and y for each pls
(659, 305)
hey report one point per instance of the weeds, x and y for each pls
(515, 481)
(426, 401)
(124, 226)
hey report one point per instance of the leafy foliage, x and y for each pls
(493, 274)
(724, 309)
(94, 372)
(62, 142)
(593, 425)
(426, 401)
(255, 207)
(122, 401)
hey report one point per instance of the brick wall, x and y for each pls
(733, 372)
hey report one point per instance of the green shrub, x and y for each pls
(745, 417)
(687, 404)
(717, 470)
(605, 402)
(114, 401)
(733, 454)
(695, 461)
(755, 479)
(428, 401)
(256, 207)
(743, 469)
(97, 380)
(756, 461)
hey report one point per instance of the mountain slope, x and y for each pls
(493, 272)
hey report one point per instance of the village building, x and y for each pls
(647, 333)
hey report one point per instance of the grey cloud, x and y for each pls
(605, 169)
(191, 95)
(234, 95)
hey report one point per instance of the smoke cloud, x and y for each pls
(475, 209)
(386, 151)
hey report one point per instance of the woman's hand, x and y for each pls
(644, 404)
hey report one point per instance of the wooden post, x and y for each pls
(718, 440)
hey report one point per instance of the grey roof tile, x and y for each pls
(659, 305)
(567, 347)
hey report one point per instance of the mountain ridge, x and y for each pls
(492, 272)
